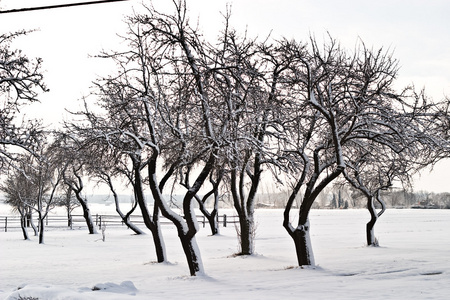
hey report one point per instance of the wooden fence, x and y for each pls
(8, 223)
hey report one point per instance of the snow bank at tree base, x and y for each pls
(109, 290)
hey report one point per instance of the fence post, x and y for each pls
(203, 221)
(96, 219)
(100, 222)
(224, 220)
(6, 224)
(46, 220)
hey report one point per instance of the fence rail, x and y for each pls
(13, 222)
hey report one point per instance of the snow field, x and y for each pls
(412, 262)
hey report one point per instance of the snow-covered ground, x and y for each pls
(413, 262)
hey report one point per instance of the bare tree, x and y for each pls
(164, 88)
(107, 171)
(21, 194)
(119, 136)
(183, 108)
(20, 76)
(374, 170)
(43, 176)
(69, 202)
(48, 173)
(313, 150)
(72, 161)
(72, 174)
(343, 102)
(246, 78)
(20, 81)
(86, 144)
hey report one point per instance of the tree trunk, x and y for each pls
(370, 234)
(302, 241)
(69, 219)
(41, 228)
(246, 234)
(151, 222)
(28, 221)
(158, 241)
(29, 216)
(301, 234)
(23, 223)
(211, 217)
(213, 222)
(187, 237)
(155, 228)
(245, 209)
(87, 215)
(131, 225)
(303, 247)
(35, 229)
(187, 227)
(126, 218)
(193, 256)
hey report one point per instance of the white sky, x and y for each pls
(416, 30)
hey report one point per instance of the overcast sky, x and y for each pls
(417, 31)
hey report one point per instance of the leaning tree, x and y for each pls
(312, 146)
(112, 167)
(340, 100)
(72, 161)
(156, 111)
(95, 141)
(181, 128)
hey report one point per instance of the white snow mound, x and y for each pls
(126, 287)
(32, 291)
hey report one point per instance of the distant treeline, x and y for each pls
(329, 199)
(348, 198)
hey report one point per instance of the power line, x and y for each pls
(57, 6)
